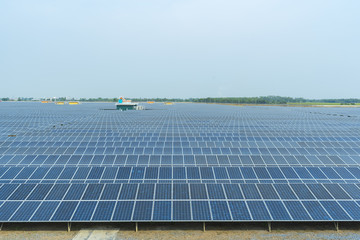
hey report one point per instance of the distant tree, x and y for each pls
(238, 100)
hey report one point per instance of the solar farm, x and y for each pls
(180, 163)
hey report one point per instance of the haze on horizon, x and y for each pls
(187, 48)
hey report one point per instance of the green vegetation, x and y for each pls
(314, 102)
(278, 100)
(230, 100)
(160, 100)
(99, 99)
(323, 103)
(5, 99)
(248, 100)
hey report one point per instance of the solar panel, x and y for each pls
(190, 162)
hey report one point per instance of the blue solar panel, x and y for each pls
(248, 173)
(267, 191)
(146, 191)
(234, 173)
(128, 191)
(96, 173)
(143, 210)
(65, 211)
(334, 210)
(67, 173)
(54, 173)
(123, 173)
(163, 191)
(297, 211)
(302, 191)
(22, 192)
(316, 211)
(6, 190)
(352, 190)
(180, 191)
(220, 173)
(181, 210)
(277, 210)
(220, 210)
(151, 173)
(319, 191)
(110, 192)
(57, 192)
(250, 191)
(123, 211)
(239, 211)
(137, 173)
(103, 211)
(162, 211)
(84, 211)
(336, 191)
(351, 208)
(179, 173)
(206, 173)
(201, 210)
(39, 173)
(165, 173)
(258, 210)
(25, 173)
(45, 211)
(275, 173)
(8, 209)
(215, 191)
(233, 191)
(285, 191)
(193, 173)
(40, 192)
(187, 162)
(93, 192)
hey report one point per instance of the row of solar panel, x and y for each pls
(347, 140)
(178, 129)
(137, 211)
(180, 150)
(125, 133)
(238, 144)
(140, 127)
(117, 181)
(140, 130)
(233, 173)
(161, 128)
(175, 132)
(195, 191)
(178, 159)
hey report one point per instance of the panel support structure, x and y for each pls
(136, 227)
(269, 226)
(336, 226)
(204, 227)
(69, 226)
(1, 226)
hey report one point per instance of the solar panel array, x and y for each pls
(185, 162)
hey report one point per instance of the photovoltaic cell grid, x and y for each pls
(186, 162)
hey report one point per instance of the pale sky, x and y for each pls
(180, 48)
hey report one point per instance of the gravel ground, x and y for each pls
(180, 231)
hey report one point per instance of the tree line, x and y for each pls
(239, 100)
(273, 100)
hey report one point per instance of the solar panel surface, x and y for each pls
(185, 162)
